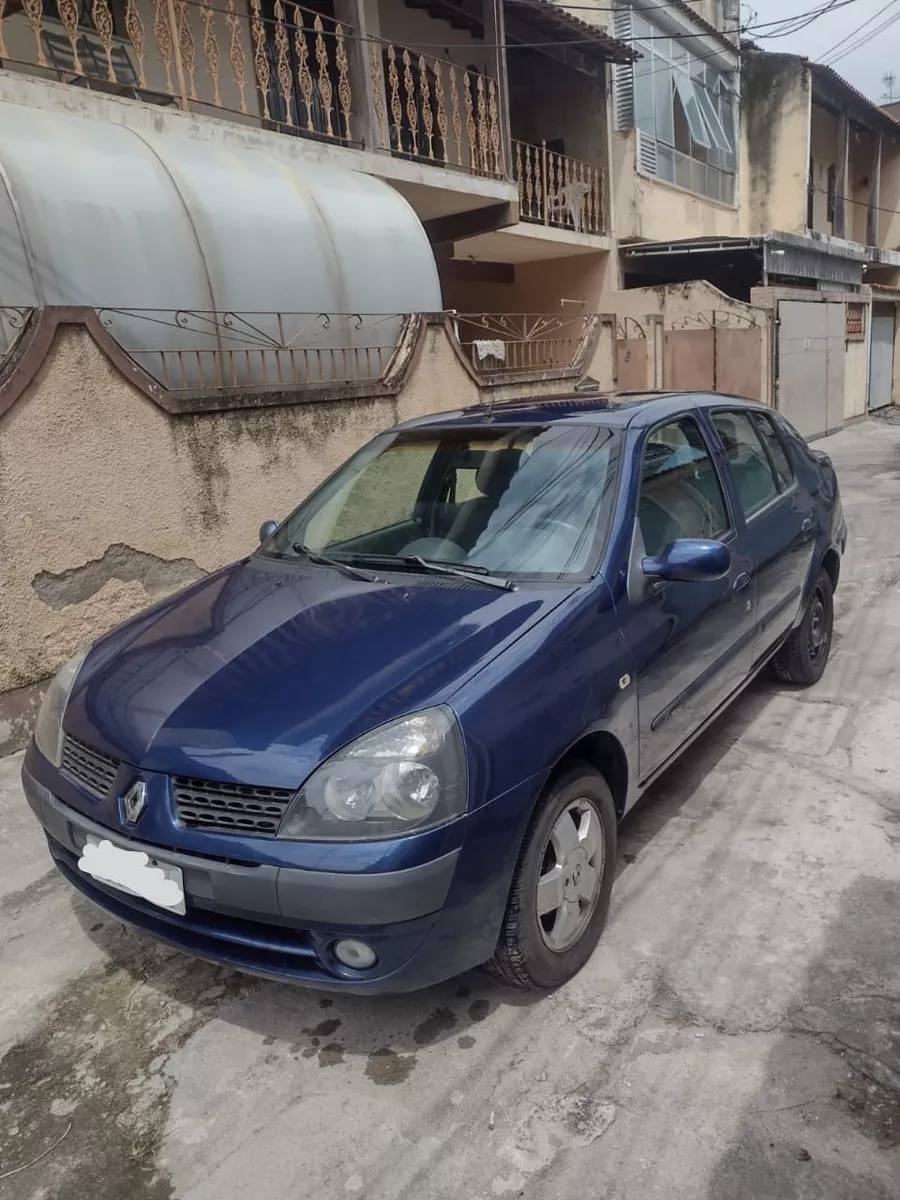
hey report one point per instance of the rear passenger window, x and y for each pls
(749, 463)
(777, 454)
(681, 496)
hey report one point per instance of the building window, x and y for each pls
(683, 109)
(856, 323)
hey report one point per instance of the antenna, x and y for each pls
(889, 79)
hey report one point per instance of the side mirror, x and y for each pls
(266, 530)
(690, 560)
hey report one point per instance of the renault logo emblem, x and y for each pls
(135, 801)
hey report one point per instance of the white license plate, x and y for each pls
(134, 872)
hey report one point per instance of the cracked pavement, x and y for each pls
(736, 1036)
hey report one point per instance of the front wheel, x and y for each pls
(803, 657)
(561, 887)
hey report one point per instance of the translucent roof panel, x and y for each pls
(96, 214)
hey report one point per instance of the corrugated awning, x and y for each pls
(557, 23)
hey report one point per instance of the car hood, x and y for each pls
(260, 672)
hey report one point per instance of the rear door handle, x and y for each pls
(807, 525)
(741, 582)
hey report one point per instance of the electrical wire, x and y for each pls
(862, 41)
(859, 203)
(854, 33)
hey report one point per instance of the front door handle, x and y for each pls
(807, 525)
(741, 582)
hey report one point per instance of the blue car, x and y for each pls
(394, 743)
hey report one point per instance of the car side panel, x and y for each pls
(569, 675)
(691, 641)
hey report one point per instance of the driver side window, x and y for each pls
(681, 496)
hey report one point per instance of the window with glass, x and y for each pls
(684, 111)
(781, 464)
(753, 474)
(681, 495)
(526, 501)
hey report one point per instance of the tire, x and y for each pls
(803, 657)
(541, 952)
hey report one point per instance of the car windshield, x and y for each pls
(534, 500)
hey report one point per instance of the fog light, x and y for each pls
(355, 954)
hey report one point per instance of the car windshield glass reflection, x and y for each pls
(532, 500)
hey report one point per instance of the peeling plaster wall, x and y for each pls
(775, 133)
(107, 503)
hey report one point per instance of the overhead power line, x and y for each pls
(854, 33)
(864, 41)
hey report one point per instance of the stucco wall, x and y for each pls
(653, 210)
(539, 287)
(889, 198)
(775, 103)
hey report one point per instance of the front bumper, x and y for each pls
(275, 921)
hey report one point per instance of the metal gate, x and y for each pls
(810, 358)
(631, 356)
(881, 356)
(719, 351)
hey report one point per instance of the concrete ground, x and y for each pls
(736, 1036)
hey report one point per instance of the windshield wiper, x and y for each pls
(322, 560)
(439, 567)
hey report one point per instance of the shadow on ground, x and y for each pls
(825, 1124)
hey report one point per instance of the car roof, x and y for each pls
(609, 409)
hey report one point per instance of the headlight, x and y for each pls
(406, 776)
(48, 734)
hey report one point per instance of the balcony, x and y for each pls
(557, 190)
(267, 62)
(433, 111)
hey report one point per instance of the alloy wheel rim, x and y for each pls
(571, 870)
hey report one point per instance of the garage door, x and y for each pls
(811, 365)
(881, 356)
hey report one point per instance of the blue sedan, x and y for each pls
(394, 743)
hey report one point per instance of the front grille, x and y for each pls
(95, 771)
(229, 807)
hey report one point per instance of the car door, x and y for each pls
(778, 516)
(691, 641)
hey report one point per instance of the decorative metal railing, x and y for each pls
(429, 109)
(192, 351)
(502, 342)
(269, 59)
(12, 324)
(555, 189)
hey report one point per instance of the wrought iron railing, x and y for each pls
(555, 189)
(189, 351)
(269, 59)
(13, 320)
(429, 109)
(500, 342)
